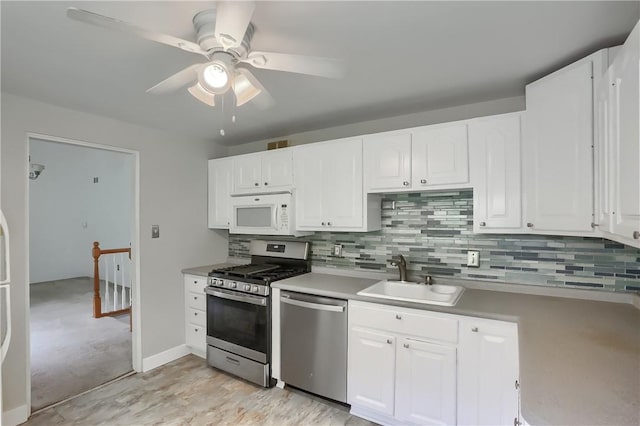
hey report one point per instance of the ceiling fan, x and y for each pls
(224, 37)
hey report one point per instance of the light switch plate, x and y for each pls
(473, 258)
(337, 250)
(155, 231)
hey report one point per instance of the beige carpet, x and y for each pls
(71, 351)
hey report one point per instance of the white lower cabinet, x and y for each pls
(411, 366)
(196, 314)
(488, 373)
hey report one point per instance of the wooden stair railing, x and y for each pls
(97, 300)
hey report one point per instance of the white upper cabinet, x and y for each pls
(622, 167)
(269, 171)
(219, 192)
(439, 156)
(328, 182)
(424, 158)
(387, 157)
(494, 144)
(557, 150)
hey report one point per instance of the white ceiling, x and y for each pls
(401, 57)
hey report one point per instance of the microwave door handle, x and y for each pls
(275, 217)
(4, 231)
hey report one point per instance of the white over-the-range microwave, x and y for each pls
(264, 214)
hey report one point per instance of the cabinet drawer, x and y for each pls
(195, 284)
(413, 322)
(197, 301)
(196, 317)
(196, 337)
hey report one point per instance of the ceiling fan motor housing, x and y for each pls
(205, 25)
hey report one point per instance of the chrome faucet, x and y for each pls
(401, 263)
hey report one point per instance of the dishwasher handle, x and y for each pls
(311, 305)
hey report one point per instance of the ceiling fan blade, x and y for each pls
(118, 25)
(198, 92)
(232, 20)
(176, 81)
(311, 65)
(247, 88)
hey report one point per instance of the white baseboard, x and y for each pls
(165, 357)
(15, 416)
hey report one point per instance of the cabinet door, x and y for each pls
(487, 373)
(277, 169)
(220, 187)
(309, 171)
(342, 196)
(626, 139)
(387, 161)
(247, 174)
(557, 151)
(603, 154)
(371, 370)
(495, 155)
(425, 383)
(439, 156)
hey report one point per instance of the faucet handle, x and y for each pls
(428, 279)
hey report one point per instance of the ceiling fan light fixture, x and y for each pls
(203, 95)
(244, 89)
(216, 76)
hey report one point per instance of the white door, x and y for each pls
(487, 373)
(371, 370)
(425, 383)
(343, 197)
(220, 187)
(557, 151)
(387, 161)
(439, 156)
(277, 169)
(626, 139)
(309, 169)
(247, 174)
(495, 157)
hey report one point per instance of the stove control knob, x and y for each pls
(212, 281)
(247, 287)
(255, 289)
(233, 285)
(219, 282)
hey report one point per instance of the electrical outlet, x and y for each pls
(155, 231)
(473, 258)
(337, 250)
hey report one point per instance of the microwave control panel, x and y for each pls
(284, 216)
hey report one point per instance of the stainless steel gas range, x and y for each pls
(239, 308)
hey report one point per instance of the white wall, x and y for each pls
(173, 194)
(461, 112)
(68, 211)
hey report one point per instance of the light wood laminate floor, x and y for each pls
(186, 391)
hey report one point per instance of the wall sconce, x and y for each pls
(35, 170)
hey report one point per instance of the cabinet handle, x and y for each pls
(266, 183)
(195, 297)
(529, 225)
(195, 282)
(195, 314)
(483, 223)
(474, 329)
(256, 184)
(399, 317)
(406, 345)
(195, 329)
(405, 183)
(389, 341)
(423, 181)
(636, 235)
(323, 223)
(328, 223)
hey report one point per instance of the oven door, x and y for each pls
(239, 323)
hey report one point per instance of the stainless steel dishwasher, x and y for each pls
(314, 344)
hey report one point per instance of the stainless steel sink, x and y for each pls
(437, 294)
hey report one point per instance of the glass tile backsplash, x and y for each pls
(434, 231)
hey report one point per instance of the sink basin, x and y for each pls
(437, 294)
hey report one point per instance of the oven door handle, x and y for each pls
(310, 305)
(223, 294)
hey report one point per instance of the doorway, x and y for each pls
(79, 193)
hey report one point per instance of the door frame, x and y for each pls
(136, 338)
